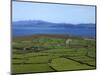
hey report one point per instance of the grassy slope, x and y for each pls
(57, 56)
(61, 64)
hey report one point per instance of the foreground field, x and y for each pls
(50, 54)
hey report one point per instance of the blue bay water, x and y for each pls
(75, 31)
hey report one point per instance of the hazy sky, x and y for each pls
(53, 12)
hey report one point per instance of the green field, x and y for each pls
(51, 54)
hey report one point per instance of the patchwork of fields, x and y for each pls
(52, 54)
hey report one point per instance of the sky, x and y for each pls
(56, 13)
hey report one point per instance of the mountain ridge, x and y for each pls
(40, 22)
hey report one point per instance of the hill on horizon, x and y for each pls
(31, 27)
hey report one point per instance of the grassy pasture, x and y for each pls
(62, 64)
(48, 54)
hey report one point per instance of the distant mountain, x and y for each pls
(39, 23)
(87, 25)
(32, 27)
(33, 23)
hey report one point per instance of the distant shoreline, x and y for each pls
(50, 35)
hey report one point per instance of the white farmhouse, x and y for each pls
(68, 42)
